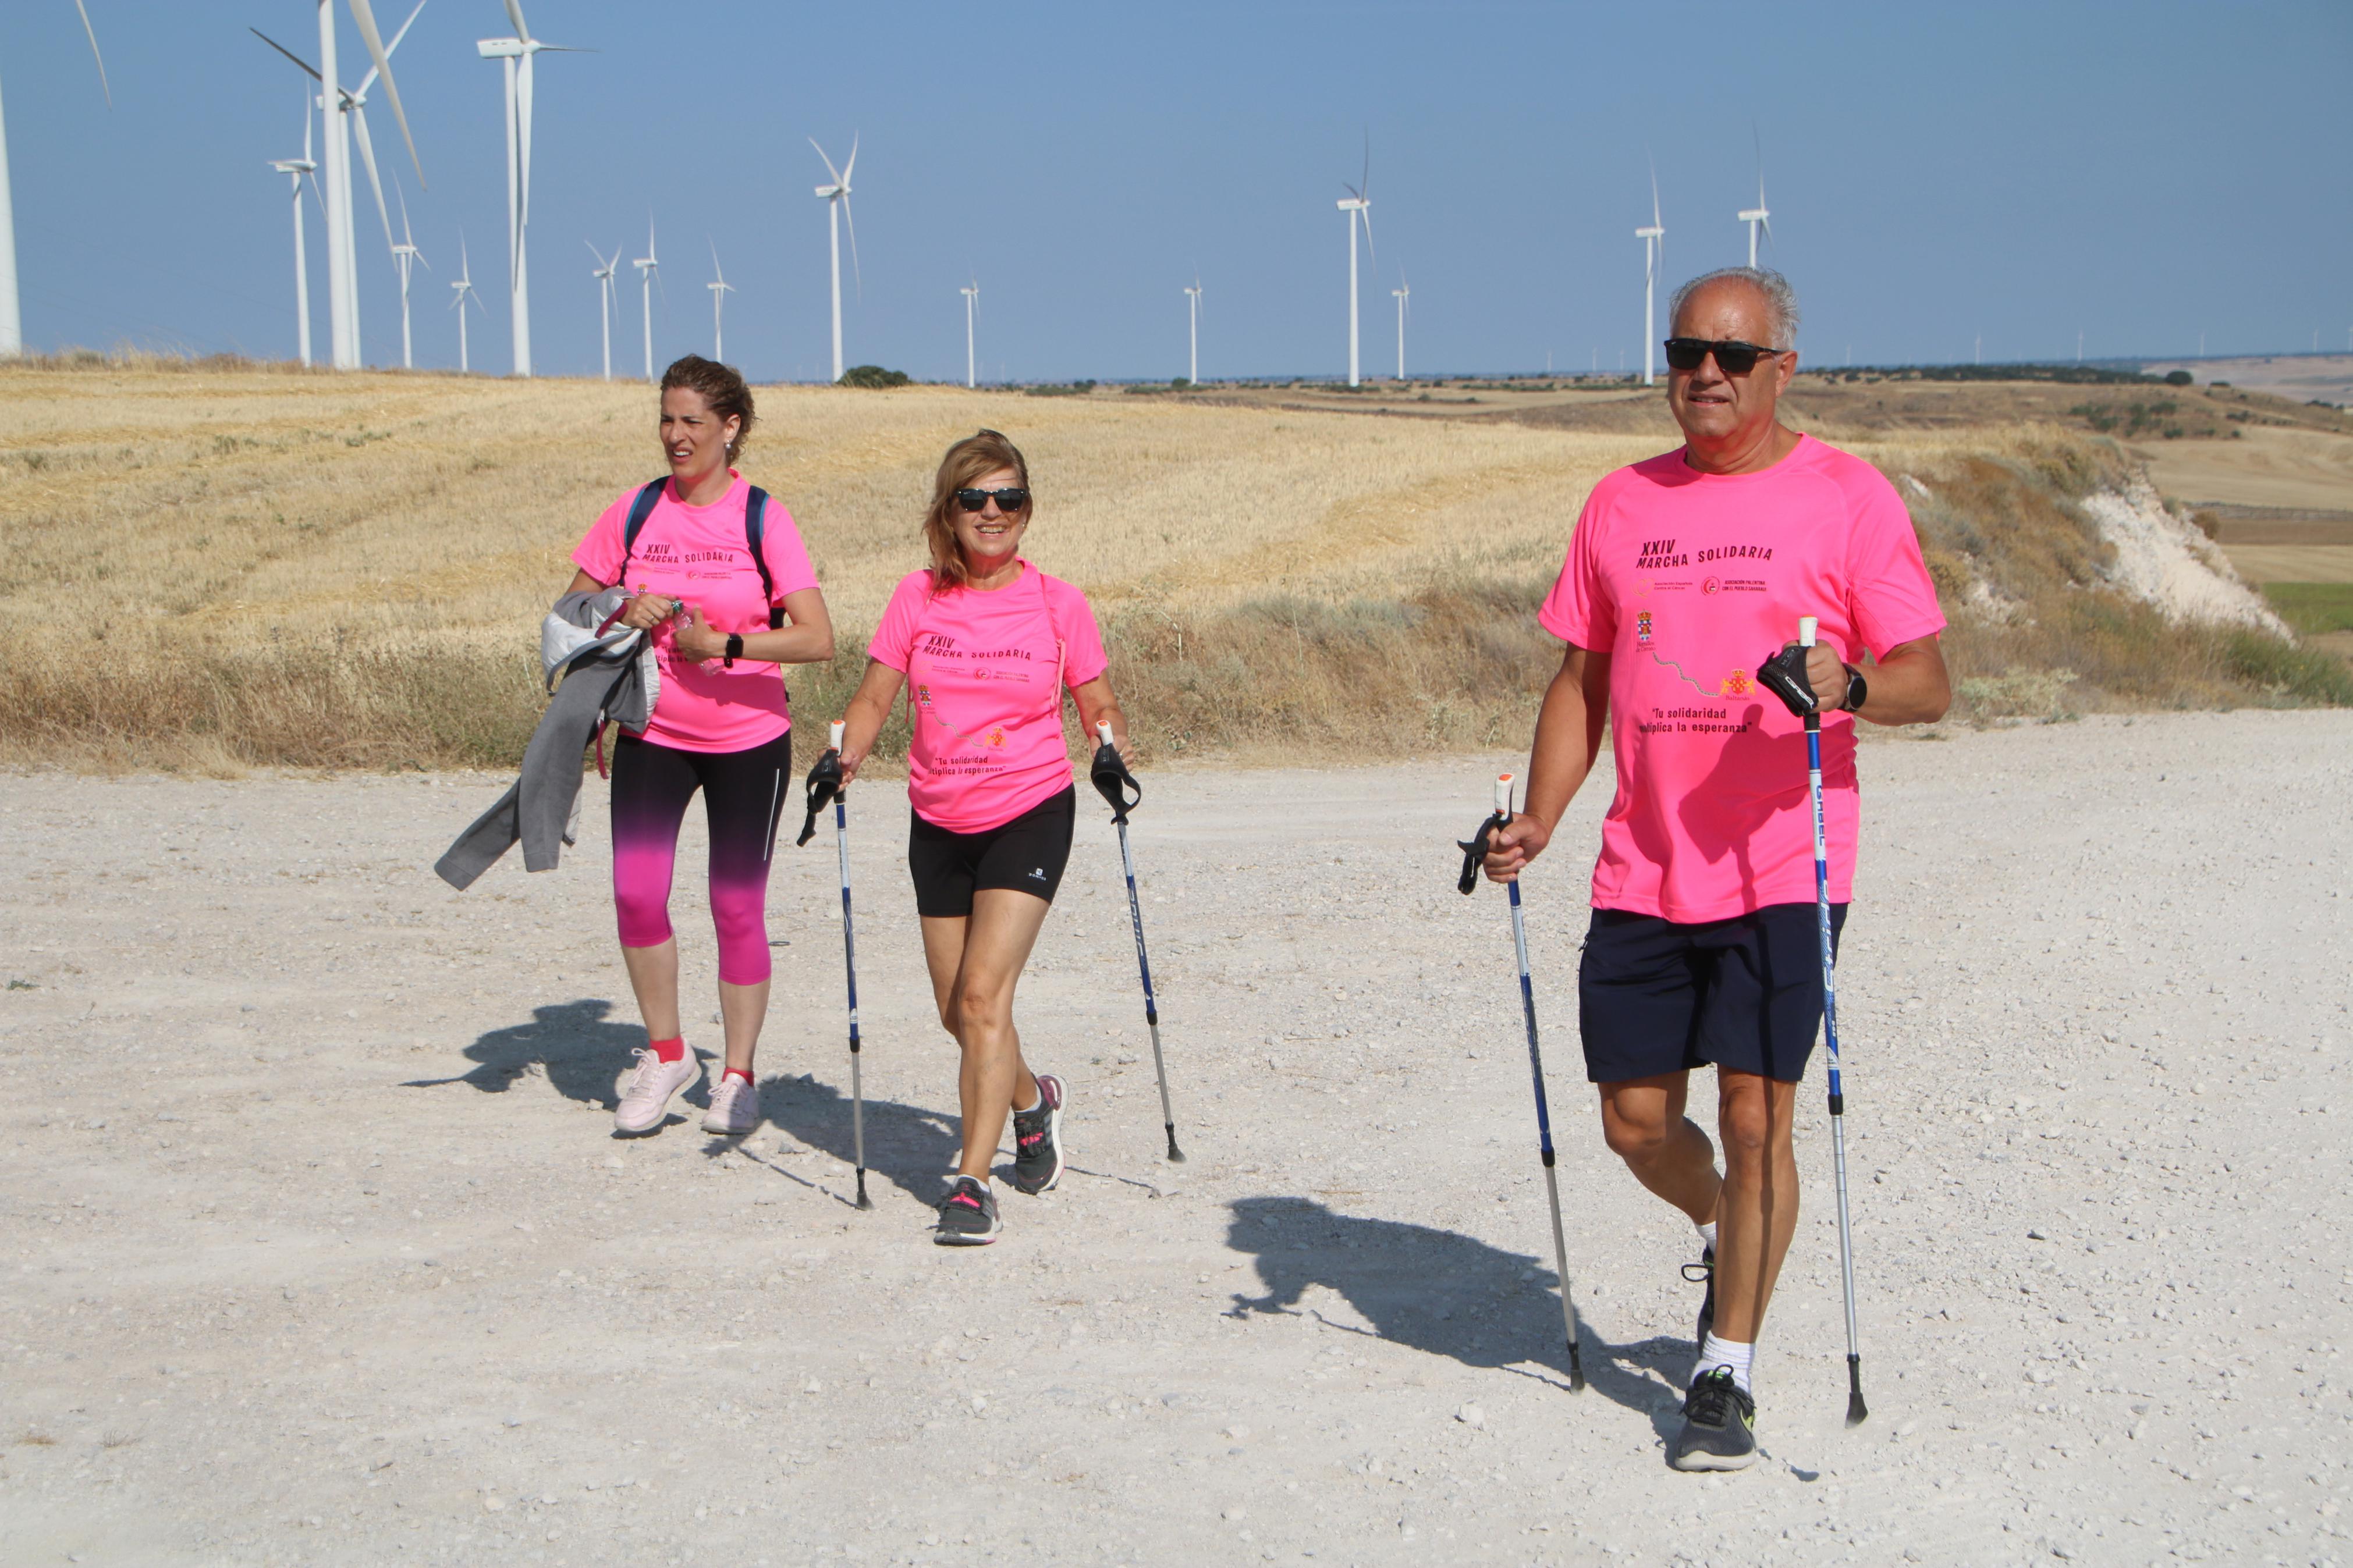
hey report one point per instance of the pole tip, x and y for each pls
(1575, 1371)
(863, 1200)
(1855, 1408)
(1176, 1155)
(1855, 1412)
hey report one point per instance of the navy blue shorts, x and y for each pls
(1656, 997)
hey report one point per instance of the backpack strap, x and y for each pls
(756, 535)
(640, 509)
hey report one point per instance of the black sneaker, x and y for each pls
(1704, 1269)
(967, 1215)
(1719, 1427)
(1038, 1139)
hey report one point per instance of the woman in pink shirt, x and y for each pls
(984, 645)
(722, 621)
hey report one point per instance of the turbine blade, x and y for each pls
(363, 14)
(827, 161)
(367, 161)
(850, 223)
(847, 169)
(523, 136)
(1366, 212)
(514, 15)
(1654, 195)
(92, 34)
(308, 70)
(368, 80)
(306, 129)
(1367, 177)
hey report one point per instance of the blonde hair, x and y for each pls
(983, 452)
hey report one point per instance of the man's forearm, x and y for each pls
(1908, 686)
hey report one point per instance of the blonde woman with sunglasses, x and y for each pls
(984, 645)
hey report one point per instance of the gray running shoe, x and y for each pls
(1719, 1427)
(1704, 1269)
(1038, 1139)
(967, 1215)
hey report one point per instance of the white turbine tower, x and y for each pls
(1403, 293)
(1655, 261)
(1757, 217)
(12, 321)
(405, 255)
(460, 291)
(294, 169)
(1357, 206)
(349, 109)
(516, 54)
(606, 307)
(837, 199)
(648, 271)
(1193, 315)
(720, 289)
(971, 292)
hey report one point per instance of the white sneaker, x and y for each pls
(645, 1103)
(734, 1107)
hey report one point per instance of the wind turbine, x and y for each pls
(720, 289)
(971, 292)
(837, 199)
(516, 54)
(405, 255)
(1757, 217)
(649, 269)
(1193, 311)
(1655, 261)
(12, 323)
(1403, 293)
(1358, 207)
(294, 169)
(350, 109)
(606, 309)
(462, 290)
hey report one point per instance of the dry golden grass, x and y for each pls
(217, 566)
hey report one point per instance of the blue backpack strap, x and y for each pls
(756, 535)
(640, 510)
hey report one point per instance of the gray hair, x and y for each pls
(1780, 300)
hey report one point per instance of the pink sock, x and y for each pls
(669, 1050)
(737, 1072)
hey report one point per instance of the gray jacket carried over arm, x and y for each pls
(611, 678)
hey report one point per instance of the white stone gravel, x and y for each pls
(314, 1247)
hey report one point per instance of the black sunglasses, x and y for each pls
(1010, 499)
(1732, 356)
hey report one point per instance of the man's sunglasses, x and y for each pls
(1008, 500)
(1732, 356)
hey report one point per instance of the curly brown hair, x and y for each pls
(724, 393)
(983, 452)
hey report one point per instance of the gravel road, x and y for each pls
(316, 1248)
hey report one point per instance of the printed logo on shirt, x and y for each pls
(1733, 586)
(1737, 684)
(1712, 585)
(1642, 627)
(1658, 556)
(1039, 875)
(1735, 552)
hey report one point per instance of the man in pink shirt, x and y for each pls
(1685, 572)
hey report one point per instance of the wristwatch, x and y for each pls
(1856, 689)
(736, 651)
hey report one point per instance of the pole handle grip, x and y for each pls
(839, 726)
(1102, 731)
(1503, 795)
(1806, 624)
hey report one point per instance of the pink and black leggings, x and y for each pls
(743, 796)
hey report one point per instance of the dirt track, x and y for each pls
(315, 1247)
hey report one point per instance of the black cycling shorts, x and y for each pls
(1656, 997)
(1027, 854)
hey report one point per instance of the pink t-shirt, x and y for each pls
(985, 679)
(1690, 581)
(699, 553)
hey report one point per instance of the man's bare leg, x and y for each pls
(1757, 1214)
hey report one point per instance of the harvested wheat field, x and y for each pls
(315, 1247)
(214, 568)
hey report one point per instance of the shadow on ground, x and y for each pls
(911, 1147)
(571, 1044)
(1445, 1294)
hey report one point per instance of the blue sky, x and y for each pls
(2139, 173)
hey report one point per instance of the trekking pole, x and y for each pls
(1787, 680)
(825, 783)
(1472, 853)
(1112, 778)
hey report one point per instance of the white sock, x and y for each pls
(955, 1176)
(1707, 1235)
(1725, 1353)
(1026, 1109)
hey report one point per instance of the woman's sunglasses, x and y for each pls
(1732, 356)
(1010, 499)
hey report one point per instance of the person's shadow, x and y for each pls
(1445, 1294)
(581, 1055)
(912, 1147)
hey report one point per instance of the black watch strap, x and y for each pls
(736, 651)
(1857, 689)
